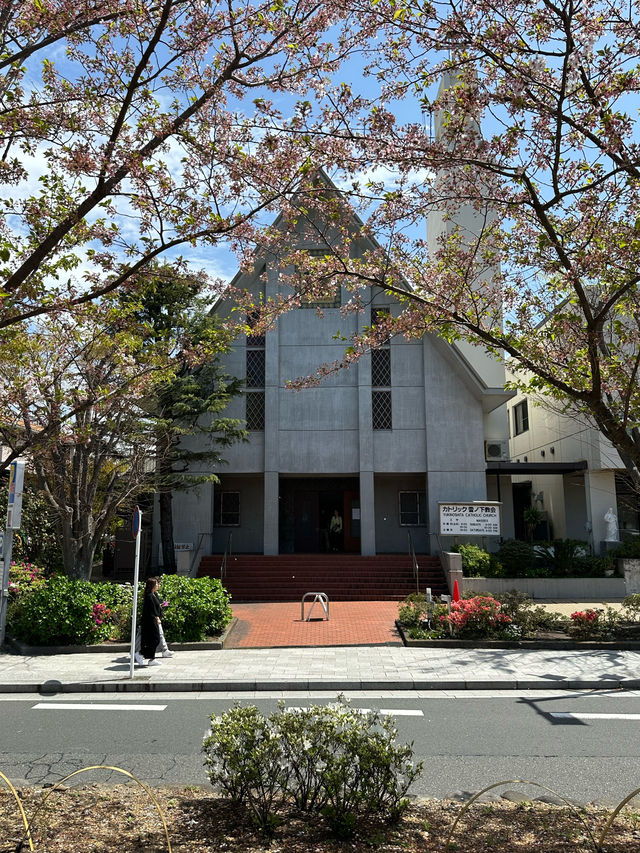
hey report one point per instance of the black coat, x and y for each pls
(149, 630)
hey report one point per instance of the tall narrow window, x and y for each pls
(226, 509)
(381, 403)
(413, 509)
(254, 412)
(255, 381)
(520, 418)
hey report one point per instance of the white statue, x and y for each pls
(612, 525)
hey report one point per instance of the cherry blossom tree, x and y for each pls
(529, 177)
(150, 128)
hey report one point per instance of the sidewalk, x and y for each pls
(357, 649)
(339, 668)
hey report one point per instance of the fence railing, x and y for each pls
(414, 562)
(223, 565)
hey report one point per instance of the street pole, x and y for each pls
(5, 564)
(135, 527)
(14, 514)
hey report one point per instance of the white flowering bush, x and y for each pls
(333, 760)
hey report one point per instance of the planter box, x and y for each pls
(557, 645)
(562, 589)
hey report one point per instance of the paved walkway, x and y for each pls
(351, 623)
(328, 668)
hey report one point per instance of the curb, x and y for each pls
(142, 684)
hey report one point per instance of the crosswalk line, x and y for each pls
(94, 706)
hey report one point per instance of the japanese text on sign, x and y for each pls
(469, 519)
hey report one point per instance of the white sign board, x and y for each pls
(14, 504)
(477, 518)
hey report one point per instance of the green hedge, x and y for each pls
(61, 611)
(198, 607)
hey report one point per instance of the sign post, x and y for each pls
(135, 529)
(14, 515)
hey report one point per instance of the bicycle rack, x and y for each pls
(320, 597)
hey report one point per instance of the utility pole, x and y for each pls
(14, 515)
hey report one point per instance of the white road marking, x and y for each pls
(95, 706)
(398, 712)
(402, 712)
(562, 715)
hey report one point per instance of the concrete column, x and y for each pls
(271, 425)
(271, 512)
(365, 449)
(367, 514)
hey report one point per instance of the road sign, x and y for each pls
(135, 522)
(14, 503)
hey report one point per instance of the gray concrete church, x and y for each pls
(382, 442)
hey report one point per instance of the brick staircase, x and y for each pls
(344, 577)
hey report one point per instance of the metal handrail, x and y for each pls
(195, 554)
(227, 551)
(414, 562)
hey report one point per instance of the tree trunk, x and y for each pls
(166, 532)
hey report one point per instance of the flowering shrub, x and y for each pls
(584, 623)
(101, 614)
(22, 576)
(331, 760)
(477, 617)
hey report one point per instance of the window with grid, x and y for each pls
(381, 368)
(379, 315)
(413, 509)
(381, 412)
(255, 368)
(226, 509)
(254, 411)
(521, 418)
(258, 339)
(381, 409)
(332, 299)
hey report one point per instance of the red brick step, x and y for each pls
(343, 577)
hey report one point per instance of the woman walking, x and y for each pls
(150, 622)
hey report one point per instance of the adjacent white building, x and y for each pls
(570, 472)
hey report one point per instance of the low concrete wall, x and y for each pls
(630, 569)
(452, 565)
(563, 589)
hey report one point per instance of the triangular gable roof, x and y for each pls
(491, 397)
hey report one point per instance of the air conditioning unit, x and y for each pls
(496, 450)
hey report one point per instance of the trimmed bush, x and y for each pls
(61, 611)
(331, 760)
(198, 607)
(476, 562)
(58, 612)
(517, 558)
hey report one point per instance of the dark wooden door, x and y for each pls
(307, 523)
(351, 524)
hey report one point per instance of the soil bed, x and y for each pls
(122, 819)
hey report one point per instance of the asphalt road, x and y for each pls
(584, 745)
